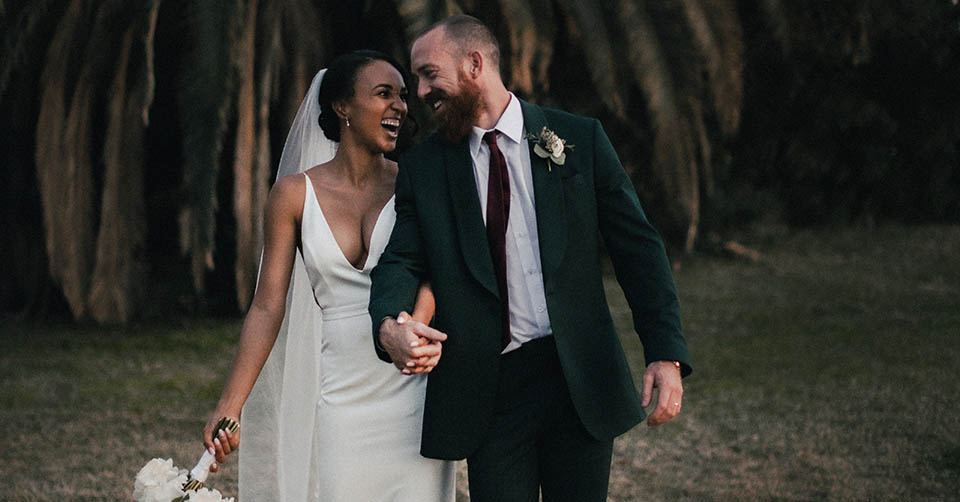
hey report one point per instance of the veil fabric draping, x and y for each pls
(278, 416)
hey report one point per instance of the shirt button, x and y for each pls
(522, 235)
(540, 309)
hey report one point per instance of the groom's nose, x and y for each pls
(422, 88)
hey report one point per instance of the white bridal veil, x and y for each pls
(278, 418)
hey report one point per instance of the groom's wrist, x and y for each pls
(379, 343)
(675, 364)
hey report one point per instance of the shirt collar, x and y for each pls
(509, 125)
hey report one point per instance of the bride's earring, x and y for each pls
(348, 121)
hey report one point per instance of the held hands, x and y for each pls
(413, 346)
(223, 444)
(665, 377)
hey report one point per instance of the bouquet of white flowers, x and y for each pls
(161, 481)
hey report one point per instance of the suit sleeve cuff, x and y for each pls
(381, 352)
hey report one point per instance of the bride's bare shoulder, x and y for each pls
(287, 195)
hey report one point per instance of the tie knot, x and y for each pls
(490, 138)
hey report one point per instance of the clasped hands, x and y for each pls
(416, 348)
(413, 346)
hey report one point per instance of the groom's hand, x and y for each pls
(413, 346)
(665, 377)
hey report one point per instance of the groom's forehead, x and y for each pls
(433, 47)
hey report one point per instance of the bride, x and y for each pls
(323, 418)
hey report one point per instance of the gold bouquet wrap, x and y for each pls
(199, 473)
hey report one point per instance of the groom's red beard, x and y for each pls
(459, 111)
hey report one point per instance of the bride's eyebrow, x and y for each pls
(389, 87)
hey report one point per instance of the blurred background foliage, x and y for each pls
(140, 138)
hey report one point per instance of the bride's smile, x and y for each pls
(377, 109)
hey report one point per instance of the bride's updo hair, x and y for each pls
(338, 83)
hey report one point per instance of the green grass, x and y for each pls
(84, 408)
(824, 372)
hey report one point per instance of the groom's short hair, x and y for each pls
(469, 33)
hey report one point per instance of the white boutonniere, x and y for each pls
(547, 145)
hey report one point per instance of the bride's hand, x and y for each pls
(423, 310)
(223, 444)
(407, 342)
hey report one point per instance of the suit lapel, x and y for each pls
(548, 197)
(466, 207)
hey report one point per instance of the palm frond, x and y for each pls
(719, 37)
(301, 55)
(20, 37)
(269, 77)
(588, 18)
(207, 82)
(243, 158)
(116, 286)
(63, 158)
(451, 7)
(674, 153)
(532, 34)
(417, 15)
(778, 23)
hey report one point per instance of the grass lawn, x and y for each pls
(824, 372)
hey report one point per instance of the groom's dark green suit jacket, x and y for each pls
(440, 236)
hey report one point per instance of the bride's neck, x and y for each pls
(356, 164)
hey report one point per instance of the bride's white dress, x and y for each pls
(366, 441)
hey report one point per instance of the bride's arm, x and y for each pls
(263, 319)
(425, 305)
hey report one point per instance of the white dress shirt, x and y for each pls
(527, 301)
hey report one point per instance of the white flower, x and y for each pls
(159, 481)
(549, 146)
(205, 495)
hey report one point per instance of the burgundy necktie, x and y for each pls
(498, 212)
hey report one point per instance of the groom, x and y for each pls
(532, 384)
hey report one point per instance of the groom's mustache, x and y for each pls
(435, 95)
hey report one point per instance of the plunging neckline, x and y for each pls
(326, 224)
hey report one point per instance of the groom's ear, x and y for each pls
(474, 63)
